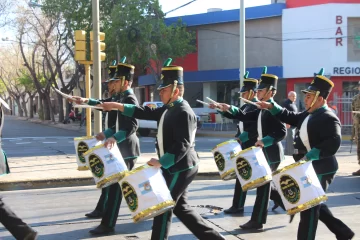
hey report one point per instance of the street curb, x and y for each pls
(53, 124)
(75, 182)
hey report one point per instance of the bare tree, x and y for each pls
(5, 7)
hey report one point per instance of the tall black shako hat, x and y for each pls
(112, 70)
(171, 74)
(250, 84)
(124, 72)
(268, 81)
(320, 85)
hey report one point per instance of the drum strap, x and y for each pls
(241, 126)
(106, 120)
(259, 126)
(160, 137)
(304, 134)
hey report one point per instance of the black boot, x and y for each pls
(234, 210)
(102, 230)
(291, 218)
(94, 214)
(252, 225)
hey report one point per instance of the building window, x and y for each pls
(227, 92)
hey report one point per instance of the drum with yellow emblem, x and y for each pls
(146, 193)
(107, 165)
(222, 155)
(251, 168)
(82, 145)
(299, 187)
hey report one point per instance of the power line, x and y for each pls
(180, 7)
(278, 39)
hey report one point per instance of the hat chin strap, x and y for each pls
(313, 102)
(173, 90)
(250, 93)
(269, 90)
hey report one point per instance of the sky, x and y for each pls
(201, 6)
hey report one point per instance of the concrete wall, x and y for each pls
(219, 44)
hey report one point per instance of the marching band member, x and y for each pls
(14, 224)
(120, 130)
(247, 137)
(270, 132)
(175, 144)
(317, 139)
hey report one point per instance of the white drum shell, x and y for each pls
(88, 143)
(226, 166)
(311, 193)
(255, 163)
(114, 165)
(153, 195)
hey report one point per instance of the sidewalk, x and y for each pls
(75, 126)
(61, 171)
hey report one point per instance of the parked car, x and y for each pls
(146, 126)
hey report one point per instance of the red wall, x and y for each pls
(303, 3)
(189, 62)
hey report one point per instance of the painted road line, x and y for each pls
(49, 142)
(23, 143)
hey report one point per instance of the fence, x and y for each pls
(343, 105)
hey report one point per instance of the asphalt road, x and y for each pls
(58, 214)
(24, 139)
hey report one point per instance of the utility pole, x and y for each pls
(96, 64)
(242, 69)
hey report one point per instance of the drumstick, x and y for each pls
(249, 102)
(64, 95)
(216, 103)
(205, 103)
(95, 107)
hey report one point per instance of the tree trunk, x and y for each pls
(46, 106)
(61, 108)
(23, 103)
(31, 105)
(20, 111)
(41, 109)
(51, 109)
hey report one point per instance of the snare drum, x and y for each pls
(299, 187)
(83, 144)
(252, 168)
(146, 193)
(222, 155)
(107, 166)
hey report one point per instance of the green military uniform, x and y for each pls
(355, 106)
(175, 145)
(123, 129)
(317, 139)
(247, 135)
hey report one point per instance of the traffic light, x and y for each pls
(80, 45)
(102, 46)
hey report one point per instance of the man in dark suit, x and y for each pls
(290, 105)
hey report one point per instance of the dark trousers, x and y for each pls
(309, 218)
(178, 185)
(239, 195)
(110, 200)
(259, 213)
(13, 223)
